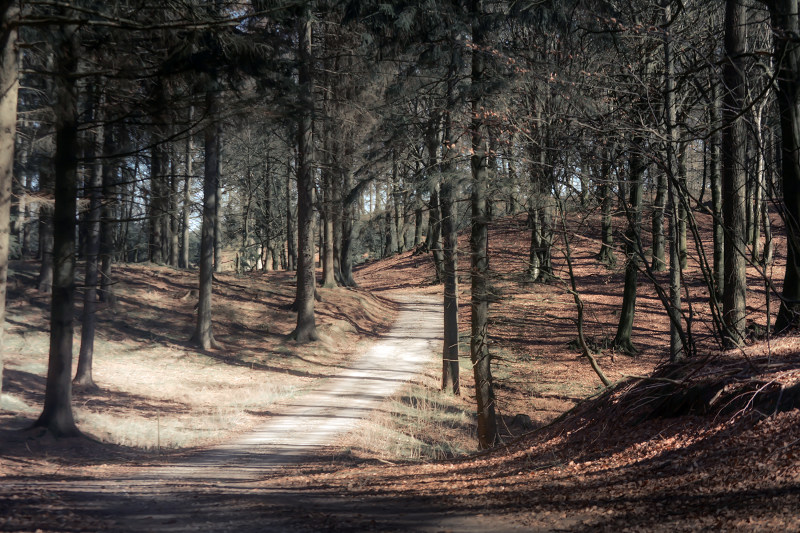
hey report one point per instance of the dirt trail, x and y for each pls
(238, 486)
(318, 417)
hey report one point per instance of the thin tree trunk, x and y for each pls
(716, 190)
(349, 208)
(218, 206)
(83, 376)
(450, 246)
(174, 221)
(450, 377)
(623, 339)
(291, 247)
(203, 334)
(659, 263)
(107, 221)
(187, 194)
(675, 174)
(158, 211)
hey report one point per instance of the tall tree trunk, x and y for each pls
(449, 245)
(674, 175)
(9, 89)
(479, 248)
(83, 376)
(734, 143)
(786, 24)
(203, 334)
(306, 329)
(56, 415)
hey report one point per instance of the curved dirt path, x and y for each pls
(239, 486)
(316, 418)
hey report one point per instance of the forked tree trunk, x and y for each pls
(56, 415)
(9, 89)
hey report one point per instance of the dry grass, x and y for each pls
(418, 423)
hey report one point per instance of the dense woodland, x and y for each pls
(268, 135)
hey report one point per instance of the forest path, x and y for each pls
(318, 417)
(241, 486)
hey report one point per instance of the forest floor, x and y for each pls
(710, 445)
